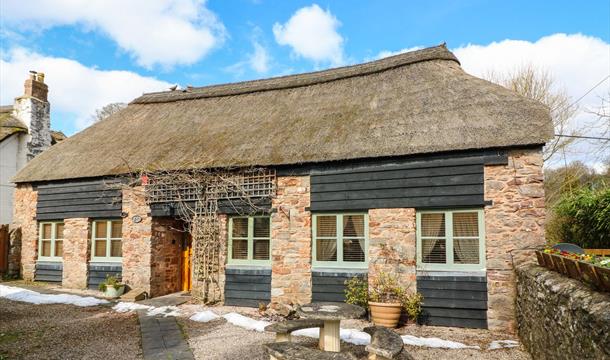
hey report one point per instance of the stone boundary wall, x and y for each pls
(561, 318)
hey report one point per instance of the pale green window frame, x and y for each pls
(340, 263)
(53, 239)
(108, 239)
(449, 265)
(250, 238)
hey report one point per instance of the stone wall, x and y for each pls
(392, 244)
(77, 245)
(561, 318)
(24, 217)
(514, 223)
(136, 239)
(291, 244)
(166, 254)
(14, 251)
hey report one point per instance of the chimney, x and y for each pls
(34, 110)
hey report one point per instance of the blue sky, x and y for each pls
(107, 51)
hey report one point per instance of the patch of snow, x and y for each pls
(129, 306)
(164, 310)
(500, 344)
(33, 297)
(246, 322)
(435, 343)
(309, 332)
(204, 316)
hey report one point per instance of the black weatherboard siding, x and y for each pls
(233, 207)
(79, 199)
(423, 182)
(246, 286)
(99, 272)
(329, 285)
(459, 301)
(48, 271)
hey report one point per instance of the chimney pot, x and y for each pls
(35, 86)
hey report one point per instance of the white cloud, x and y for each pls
(258, 60)
(154, 32)
(577, 62)
(312, 34)
(73, 88)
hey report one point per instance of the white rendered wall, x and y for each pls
(13, 156)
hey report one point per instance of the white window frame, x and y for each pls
(339, 263)
(250, 238)
(108, 239)
(53, 239)
(449, 265)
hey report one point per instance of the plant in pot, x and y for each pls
(387, 299)
(111, 287)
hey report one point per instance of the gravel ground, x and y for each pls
(29, 331)
(221, 340)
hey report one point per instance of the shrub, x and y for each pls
(110, 281)
(412, 305)
(582, 218)
(357, 292)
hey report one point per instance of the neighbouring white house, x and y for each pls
(25, 131)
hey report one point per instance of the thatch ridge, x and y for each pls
(426, 106)
(291, 81)
(9, 124)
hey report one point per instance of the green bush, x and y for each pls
(357, 292)
(582, 217)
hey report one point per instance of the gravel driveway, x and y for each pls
(30, 331)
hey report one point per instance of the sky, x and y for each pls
(96, 52)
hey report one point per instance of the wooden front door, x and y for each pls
(185, 261)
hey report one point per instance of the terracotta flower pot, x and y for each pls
(540, 258)
(385, 314)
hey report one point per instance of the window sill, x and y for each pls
(56, 260)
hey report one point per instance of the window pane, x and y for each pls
(45, 248)
(59, 231)
(117, 229)
(115, 248)
(465, 224)
(240, 250)
(261, 250)
(353, 250)
(46, 231)
(326, 250)
(353, 225)
(59, 248)
(466, 251)
(433, 251)
(326, 226)
(433, 224)
(100, 229)
(100, 248)
(261, 227)
(240, 227)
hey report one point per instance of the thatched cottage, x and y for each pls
(406, 165)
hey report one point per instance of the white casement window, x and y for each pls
(340, 240)
(106, 239)
(51, 241)
(451, 240)
(250, 240)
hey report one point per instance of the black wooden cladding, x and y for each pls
(99, 272)
(459, 301)
(79, 199)
(247, 286)
(48, 271)
(233, 207)
(433, 183)
(330, 285)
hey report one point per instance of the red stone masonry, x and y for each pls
(514, 224)
(165, 256)
(24, 217)
(77, 250)
(392, 244)
(291, 242)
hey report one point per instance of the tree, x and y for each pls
(106, 111)
(538, 84)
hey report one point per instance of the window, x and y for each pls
(106, 238)
(451, 240)
(51, 245)
(340, 240)
(250, 240)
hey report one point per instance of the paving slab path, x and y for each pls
(162, 338)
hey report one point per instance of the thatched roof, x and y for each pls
(412, 103)
(9, 124)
